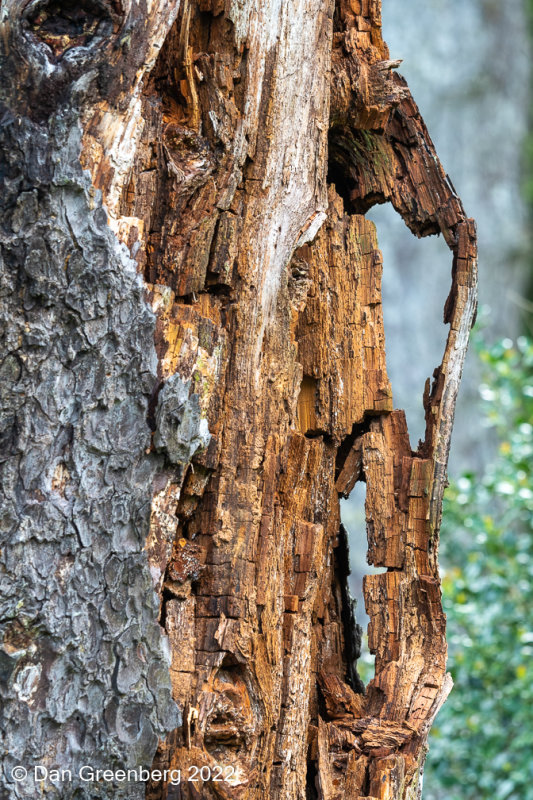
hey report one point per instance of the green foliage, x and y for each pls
(481, 747)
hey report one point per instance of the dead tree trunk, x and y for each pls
(193, 372)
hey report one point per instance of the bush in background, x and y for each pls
(481, 747)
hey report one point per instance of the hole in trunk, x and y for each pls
(67, 24)
(350, 153)
(354, 521)
(416, 281)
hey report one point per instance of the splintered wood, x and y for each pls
(274, 321)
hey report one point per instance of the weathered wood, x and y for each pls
(235, 148)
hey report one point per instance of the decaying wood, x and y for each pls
(236, 147)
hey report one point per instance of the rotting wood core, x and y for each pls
(273, 321)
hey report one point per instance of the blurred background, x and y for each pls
(469, 66)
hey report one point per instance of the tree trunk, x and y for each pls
(193, 374)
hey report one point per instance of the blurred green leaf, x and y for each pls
(482, 746)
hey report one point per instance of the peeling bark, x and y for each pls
(194, 373)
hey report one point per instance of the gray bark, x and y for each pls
(83, 665)
(83, 662)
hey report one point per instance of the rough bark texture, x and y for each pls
(210, 131)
